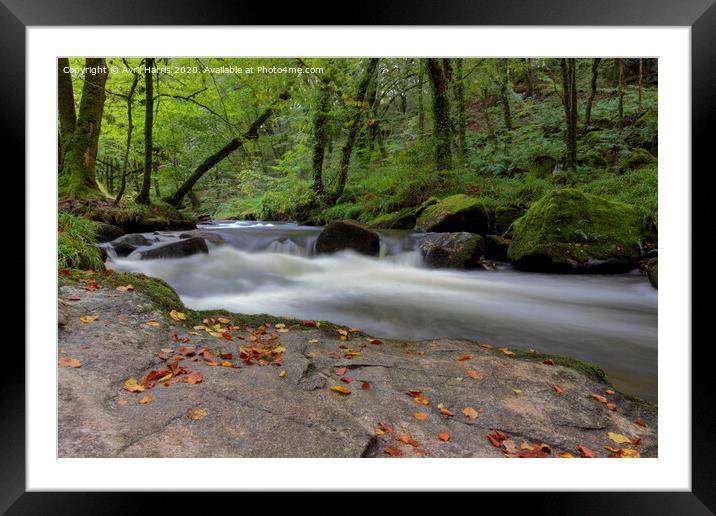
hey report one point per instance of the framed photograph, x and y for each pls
(402, 250)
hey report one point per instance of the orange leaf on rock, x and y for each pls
(470, 412)
(365, 386)
(548, 361)
(421, 416)
(640, 423)
(194, 378)
(69, 362)
(340, 390)
(487, 346)
(473, 374)
(507, 352)
(611, 406)
(444, 436)
(610, 391)
(393, 452)
(145, 399)
(599, 398)
(557, 389)
(89, 318)
(152, 322)
(585, 452)
(464, 358)
(446, 412)
(408, 440)
(197, 413)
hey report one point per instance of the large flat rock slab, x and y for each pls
(290, 410)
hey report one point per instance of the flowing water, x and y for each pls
(609, 320)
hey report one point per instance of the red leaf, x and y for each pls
(548, 361)
(585, 452)
(393, 452)
(341, 371)
(365, 386)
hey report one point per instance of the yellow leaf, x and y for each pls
(177, 316)
(69, 362)
(200, 327)
(279, 349)
(89, 318)
(618, 438)
(340, 390)
(131, 385)
(217, 335)
(517, 391)
(197, 413)
(282, 374)
(313, 341)
(343, 332)
(164, 378)
(223, 320)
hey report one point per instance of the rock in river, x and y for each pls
(451, 250)
(178, 249)
(348, 234)
(571, 231)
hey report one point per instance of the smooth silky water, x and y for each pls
(609, 320)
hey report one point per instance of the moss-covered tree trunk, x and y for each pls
(320, 120)
(529, 77)
(461, 118)
(421, 109)
(78, 177)
(209, 163)
(356, 124)
(592, 93)
(143, 197)
(130, 128)
(569, 101)
(504, 93)
(620, 71)
(65, 108)
(442, 133)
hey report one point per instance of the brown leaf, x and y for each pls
(346, 379)
(585, 452)
(393, 452)
(145, 399)
(487, 346)
(599, 398)
(473, 374)
(548, 361)
(464, 358)
(408, 440)
(611, 406)
(375, 342)
(557, 389)
(69, 362)
(444, 436)
(194, 378)
(446, 412)
(641, 423)
(365, 386)
(507, 352)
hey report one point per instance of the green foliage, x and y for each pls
(76, 244)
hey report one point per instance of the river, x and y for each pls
(609, 320)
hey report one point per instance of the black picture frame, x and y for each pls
(700, 15)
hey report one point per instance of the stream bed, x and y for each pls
(609, 320)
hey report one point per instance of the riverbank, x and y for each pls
(435, 398)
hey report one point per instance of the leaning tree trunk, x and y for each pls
(320, 120)
(442, 136)
(355, 126)
(143, 197)
(79, 165)
(569, 100)
(592, 93)
(130, 127)
(65, 108)
(178, 197)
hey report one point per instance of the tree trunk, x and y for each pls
(143, 197)
(641, 78)
(65, 108)
(529, 78)
(130, 127)
(320, 120)
(80, 159)
(488, 121)
(355, 126)
(504, 97)
(461, 109)
(176, 199)
(421, 110)
(620, 70)
(592, 93)
(569, 100)
(441, 113)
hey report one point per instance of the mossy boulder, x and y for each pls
(594, 159)
(451, 250)
(348, 234)
(402, 219)
(542, 166)
(652, 269)
(496, 248)
(107, 232)
(636, 158)
(571, 231)
(456, 213)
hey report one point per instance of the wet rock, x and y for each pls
(454, 214)
(451, 250)
(652, 269)
(209, 236)
(571, 231)
(107, 232)
(136, 240)
(496, 248)
(178, 249)
(348, 234)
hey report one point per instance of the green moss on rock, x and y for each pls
(402, 219)
(636, 158)
(455, 213)
(592, 371)
(571, 231)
